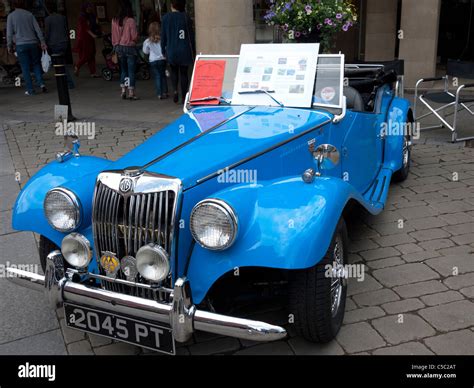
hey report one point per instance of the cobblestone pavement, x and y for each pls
(416, 298)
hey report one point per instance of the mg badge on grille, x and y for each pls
(126, 185)
(110, 264)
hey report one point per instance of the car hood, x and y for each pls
(208, 139)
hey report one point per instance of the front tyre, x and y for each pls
(318, 294)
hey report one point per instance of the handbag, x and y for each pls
(114, 58)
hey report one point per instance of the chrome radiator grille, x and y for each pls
(125, 220)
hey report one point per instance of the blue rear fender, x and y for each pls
(283, 224)
(76, 174)
(396, 119)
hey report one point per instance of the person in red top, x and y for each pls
(86, 35)
(124, 40)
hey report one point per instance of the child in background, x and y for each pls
(152, 47)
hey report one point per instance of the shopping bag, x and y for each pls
(45, 61)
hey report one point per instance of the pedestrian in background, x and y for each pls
(124, 40)
(23, 28)
(178, 45)
(152, 47)
(85, 43)
(57, 35)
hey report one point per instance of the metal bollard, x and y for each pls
(59, 64)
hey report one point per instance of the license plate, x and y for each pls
(122, 328)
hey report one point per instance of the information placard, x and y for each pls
(286, 71)
(208, 81)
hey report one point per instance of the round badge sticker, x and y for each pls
(328, 94)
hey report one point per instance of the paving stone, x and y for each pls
(406, 349)
(441, 298)
(363, 314)
(457, 218)
(449, 265)
(454, 207)
(460, 228)
(456, 343)
(374, 298)
(464, 239)
(418, 212)
(402, 306)
(350, 305)
(417, 289)
(271, 348)
(457, 250)
(468, 291)
(9, 190)
(430, 234)
(355, 287)
(397, 239)
(221, 345)
(380, 253)
(384, 263)
(395, 331)
(460, 281)
(451, 316)
(116, 349)
(301, 347)
(408, 248)
(435, 245)
(361, 245)
(98, 340)
(49, 343)
(428, 223)
(419, 256)
(392, 228)
(404, 274)
(359, 337)
(71, 335)
(81, 348)
(6, 222)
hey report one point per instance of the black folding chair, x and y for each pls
(447, 99)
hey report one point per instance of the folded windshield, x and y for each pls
(284, 80)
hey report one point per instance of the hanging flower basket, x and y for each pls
(311, 20)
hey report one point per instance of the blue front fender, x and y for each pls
(76, 174)
(285, 224)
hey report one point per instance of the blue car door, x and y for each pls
(362, 150)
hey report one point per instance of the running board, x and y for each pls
(378, 192)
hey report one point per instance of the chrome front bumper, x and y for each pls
(182, 315)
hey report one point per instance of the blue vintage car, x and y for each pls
(156, 245)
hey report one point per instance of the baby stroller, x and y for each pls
(9, 68)
(111, 68)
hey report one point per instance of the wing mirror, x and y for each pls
(326, 156)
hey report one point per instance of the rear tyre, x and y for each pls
(402, 174)
(318, 296)
(46, 246)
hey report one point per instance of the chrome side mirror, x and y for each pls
(327, 157)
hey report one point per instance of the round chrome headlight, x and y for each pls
(214, 224)
(153, 263)
(76, 250)
(62, 210)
